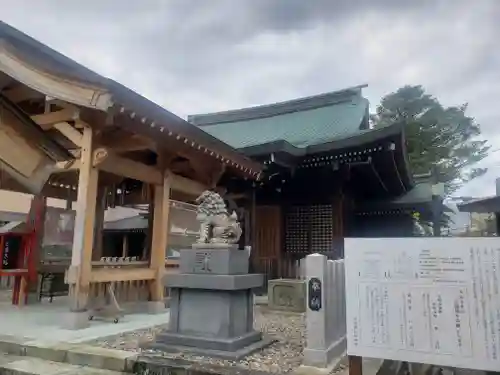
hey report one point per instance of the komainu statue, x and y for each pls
(217, 226)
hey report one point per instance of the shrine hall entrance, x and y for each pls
(268, 235)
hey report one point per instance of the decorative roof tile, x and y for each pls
(302, 122)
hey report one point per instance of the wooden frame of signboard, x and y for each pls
(99, 139)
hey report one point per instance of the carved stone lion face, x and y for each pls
(203, 197)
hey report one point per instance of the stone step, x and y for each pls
(72, 354)
(22, 365)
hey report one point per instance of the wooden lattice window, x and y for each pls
(309, 229)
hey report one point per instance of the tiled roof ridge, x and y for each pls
(280, 108)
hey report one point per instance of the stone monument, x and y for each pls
(211, 304)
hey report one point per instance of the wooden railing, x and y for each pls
(128, 277)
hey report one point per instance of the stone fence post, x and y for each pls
(325, 311)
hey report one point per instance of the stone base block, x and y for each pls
(324, 358)
(221, 315)
(213, 282)
(336, 367)
(76, 320)
(287, 295)
(232, 349)
(32, 298)
(229, 261)
(156, 307)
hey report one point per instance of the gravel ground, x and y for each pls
(283, 356)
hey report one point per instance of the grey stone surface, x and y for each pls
(212, 313)
(233, 355)
(71, 354)
(214, 246)
(12, 365)
(325, 357)
(76, 320)
(32, 298)
(232, 344)
(287, 295)
(230, 261)
(102, 358)
(53, 353)
(155, 307)
(12, 344)
(215, 282)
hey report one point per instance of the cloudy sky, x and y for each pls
(195, 56)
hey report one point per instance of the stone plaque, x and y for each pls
(202, 262)
(314, 295)
(287, 295)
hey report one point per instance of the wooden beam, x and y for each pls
(106, 160)
(61, 103)
(237, 196)
(129, 143)
(107, 275)
(69, 132)
(216, 175)
(186, 185)
(22, 93)
(160, 236)
(83, 238)
(47, 120)
(67, 166)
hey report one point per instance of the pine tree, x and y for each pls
(438, 137)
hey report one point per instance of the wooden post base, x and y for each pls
(355, 365)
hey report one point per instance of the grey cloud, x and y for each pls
(196, 55)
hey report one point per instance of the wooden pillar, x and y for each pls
(253, 217)
(99, 223)
(146, 251)
(125, 245)
(252, 231)
(36, 220)
(83, 238)
(69, 201)
(160, 236)
(355, 365)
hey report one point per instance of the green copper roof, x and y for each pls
(303, 122)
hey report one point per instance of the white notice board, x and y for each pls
(426, 300)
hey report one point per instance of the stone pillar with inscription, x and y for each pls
(211, 304)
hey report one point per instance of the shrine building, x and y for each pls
(328, 175)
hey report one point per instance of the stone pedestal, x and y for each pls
(211, 304)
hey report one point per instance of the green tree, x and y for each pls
(439, 137)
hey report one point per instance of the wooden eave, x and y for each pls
(376, 161)
(32, 131)
(156, 123)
